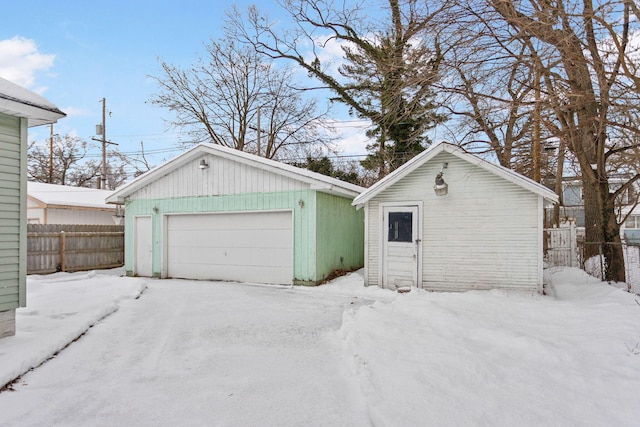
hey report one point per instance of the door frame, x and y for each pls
(383, 207)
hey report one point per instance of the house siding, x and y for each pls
(339, 236)
(485, 223)
(76, 216)
(13, 133)
(304, 219)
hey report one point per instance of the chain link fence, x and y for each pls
(596, 265)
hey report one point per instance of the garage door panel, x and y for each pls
(229, 238)
(268, 221)
(236, 257)
(277, 275)
(251, 247)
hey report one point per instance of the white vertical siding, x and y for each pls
(373, 235)
(223, 177)
(484, 234)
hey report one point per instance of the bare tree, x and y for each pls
(235, 97)
(590, 79)
(69, 163)
(64, 165)
(388, 65)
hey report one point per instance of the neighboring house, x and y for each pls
(62, 204)
(630, 229)
(19, 110)
(572, 206)
(216, 213)
(484, 230)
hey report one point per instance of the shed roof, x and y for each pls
(20, 102)
(64, 195)
(459, 152)
(316, 180)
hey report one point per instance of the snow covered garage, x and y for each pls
(450, 221)
(214, 213)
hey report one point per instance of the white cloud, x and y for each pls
(20, 60)
(352, 138)
(76, 112)
(331, 55)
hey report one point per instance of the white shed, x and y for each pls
(483, 231)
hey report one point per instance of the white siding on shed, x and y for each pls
(483, 234)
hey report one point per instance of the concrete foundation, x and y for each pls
(7, 323)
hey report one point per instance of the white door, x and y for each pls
(246, 247)
(143, 246)
(400, 246)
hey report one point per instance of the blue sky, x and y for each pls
(75, 53)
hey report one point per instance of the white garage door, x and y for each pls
(246, 247)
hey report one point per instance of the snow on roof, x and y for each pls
(316, 180)
(18, 101)
(64, 195)
(459, 152)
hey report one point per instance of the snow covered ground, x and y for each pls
(169, 352)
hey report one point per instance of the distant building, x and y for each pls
(572, 206)
(63, 204)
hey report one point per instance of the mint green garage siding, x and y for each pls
(340, 235)
(328, 232)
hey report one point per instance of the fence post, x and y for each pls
(63, 248)
(573, 246)
(602, 275)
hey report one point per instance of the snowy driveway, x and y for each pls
(199, 353)
(190, 353)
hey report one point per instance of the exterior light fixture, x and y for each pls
(203, 164)
(441, 188)
(301, 203)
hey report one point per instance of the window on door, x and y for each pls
(400, 227)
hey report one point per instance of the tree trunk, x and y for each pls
(613, 252)
(602, 231)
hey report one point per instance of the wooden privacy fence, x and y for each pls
(54, 247)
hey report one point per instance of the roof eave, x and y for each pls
(430, 153)
(321, 183)
(35, 115)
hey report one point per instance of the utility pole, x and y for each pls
(104, 145)
(102, 130)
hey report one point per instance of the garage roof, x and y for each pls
(438, 148)
(316, 180)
